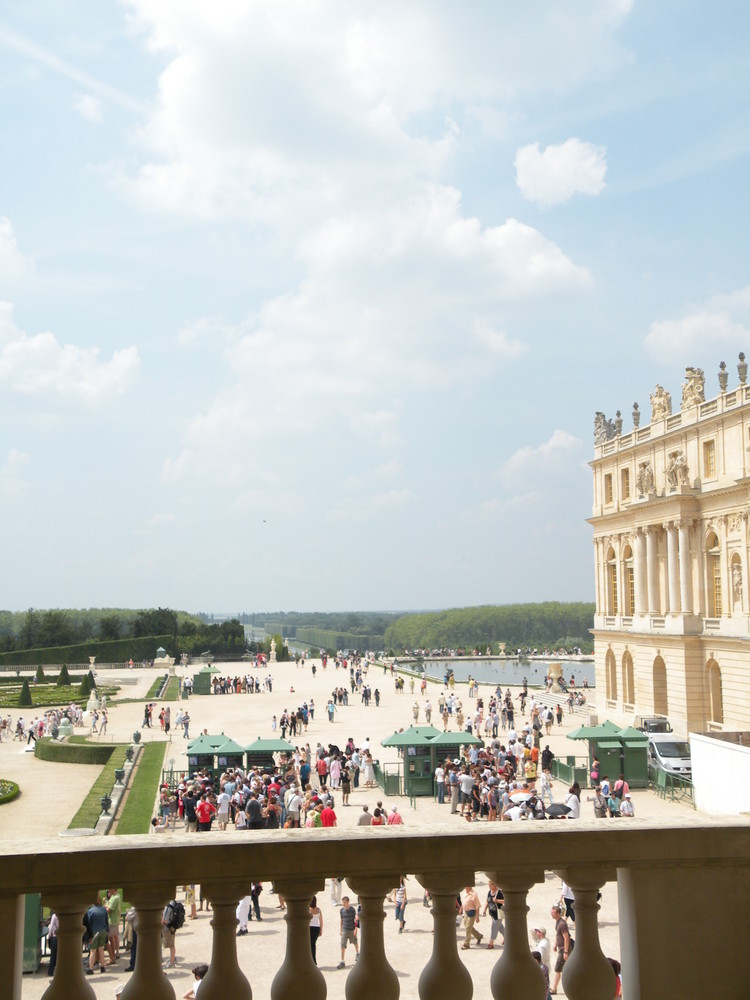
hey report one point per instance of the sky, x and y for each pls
(309, 305)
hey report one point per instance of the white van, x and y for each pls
(670, 753)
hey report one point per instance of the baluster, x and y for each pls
(69, 980)
(587, 975)
(445, 974)
(298, 976)
(516, 976)
(224, 977)
(372, 978)
(148, 981)
(12, 909)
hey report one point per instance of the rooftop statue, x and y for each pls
(661, 403)
(693, 387)
(604, 430)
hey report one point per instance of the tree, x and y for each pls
(40, 678)
(159, 621)
(63, 678)
(85, 688)
(109, 627)
(56, 629)
(24, 698)
(91, 680)
(29, 632)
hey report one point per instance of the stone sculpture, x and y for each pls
(644, 481)
(677, 470)
(604, 430)
(693, 388)
(661, 403)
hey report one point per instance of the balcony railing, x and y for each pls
(669, 879)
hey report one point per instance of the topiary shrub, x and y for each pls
(9, 790)
(91, 680)
(40, 678)
(63, 678)
(85, 689)
(24, 698)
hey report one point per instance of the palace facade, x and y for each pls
(670, 520)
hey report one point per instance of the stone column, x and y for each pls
(673, 575)
(298, 977)
(149, 981)
(69, 980)
(12, 909)
(587, 974)
(372, 978)
(445, 974)
(224, 977)
(516, 976)
(652, 570)
(639, 573)
(686, 593)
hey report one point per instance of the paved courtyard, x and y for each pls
(49, 801)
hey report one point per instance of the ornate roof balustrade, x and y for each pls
(682, 893)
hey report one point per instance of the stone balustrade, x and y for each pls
(683, 894)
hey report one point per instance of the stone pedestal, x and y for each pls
(555, 671)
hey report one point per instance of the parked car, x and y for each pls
(653, 724)
(670, 753)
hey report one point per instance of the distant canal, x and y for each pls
(509, 672)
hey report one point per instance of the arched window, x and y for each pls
(661, 700)
(715, 697)
(713, 575)
(611, 670)
(612, 602)
(628, 679)
(628, 590)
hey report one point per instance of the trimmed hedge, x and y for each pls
(73, 753)
(111, 651)
(9, 790)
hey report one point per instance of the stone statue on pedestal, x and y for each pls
(677, 471)
(644, 481)
(273, 650)
(693, 388)
(661, 403)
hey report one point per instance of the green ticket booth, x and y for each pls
(416, 753)
(32, 933)
(260, 753)
(202, 680)
(230, 754)
(635, 757)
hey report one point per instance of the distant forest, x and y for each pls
(552, 625)
(549, 625)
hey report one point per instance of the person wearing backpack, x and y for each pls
(172, 919)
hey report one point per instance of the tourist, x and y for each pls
(494, 904)
(545, 972)
(401, 902)
(170, 919)
(395, 818)
(113, 905)
(470, 908)
(316, 926)
(96, 923)
(573, 801)
(328, 816)
(52, 929)
(365, 819)
(242, 914)
(440, 783)
(199, 972)
(600, 803)
(562, 944)
(542, 944)
(348, 930)
(626, 806)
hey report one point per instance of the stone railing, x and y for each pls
(682, 894)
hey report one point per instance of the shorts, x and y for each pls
(167, 936)
(559, 962)
(99, 940)
(348, 937)
(465, 798)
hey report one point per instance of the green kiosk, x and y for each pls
(202, 751)
(619, 751)
(260, 753)
(202, 680)
(230, 754)
(414, 746)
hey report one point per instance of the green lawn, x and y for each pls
(139, 806)
(91, 807)
(48, 695)
(173, 690)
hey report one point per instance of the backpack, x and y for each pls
(175, 915)
(619, 787)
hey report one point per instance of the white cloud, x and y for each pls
(89, 107)
(723, 320)
(532, 468)
(554, 175)
(13, 485)
(345, 98)
(40, 364)
(402, 299)
(14, 264)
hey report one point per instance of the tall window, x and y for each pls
(713, 567)
(715, 694)
(625, 484)
(629, 587)
(628, 679)
(709, 459)
(611, 583)
(611, 675)
(609, 493)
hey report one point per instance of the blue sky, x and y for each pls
(309, 305)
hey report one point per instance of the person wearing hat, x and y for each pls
(542, 944)
(626, 806)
